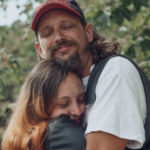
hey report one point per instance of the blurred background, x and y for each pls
(125, 21)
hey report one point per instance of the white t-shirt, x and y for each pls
(120, 106)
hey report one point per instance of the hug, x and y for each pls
(82, 94)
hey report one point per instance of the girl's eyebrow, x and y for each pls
(65, 97)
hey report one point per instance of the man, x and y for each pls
(116, 119)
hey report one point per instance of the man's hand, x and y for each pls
(104, 141)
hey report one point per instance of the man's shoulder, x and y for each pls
(119, 66)
(119, 62)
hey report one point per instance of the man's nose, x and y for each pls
(75, 110)
(59, 37)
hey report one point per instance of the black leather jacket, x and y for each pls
(64, 134)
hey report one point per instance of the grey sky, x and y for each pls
(12, 13)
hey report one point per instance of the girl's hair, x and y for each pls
(31, 113)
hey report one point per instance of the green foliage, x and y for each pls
(17, 56)
(4, 118)
(125, 21)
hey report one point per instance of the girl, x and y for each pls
(49, 91)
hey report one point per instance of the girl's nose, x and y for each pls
(75, 110)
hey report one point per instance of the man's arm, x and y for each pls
(104, 141)
(119, 98)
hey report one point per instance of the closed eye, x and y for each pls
(81, 101)
(46, 31)
(47, 34)
(68, 27)
(64, 105)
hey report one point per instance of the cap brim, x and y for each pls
(48, 7)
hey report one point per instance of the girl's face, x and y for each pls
(70, 99)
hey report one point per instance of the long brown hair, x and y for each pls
(31, 113)
(99, 47)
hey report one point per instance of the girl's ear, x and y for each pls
(89, 32)
(39, 50)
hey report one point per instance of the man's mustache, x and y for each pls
(67, 42)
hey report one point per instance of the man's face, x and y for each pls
(62, 36)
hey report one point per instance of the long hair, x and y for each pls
(28, 123)
(99, 47)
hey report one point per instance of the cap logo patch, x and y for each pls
(54, 1)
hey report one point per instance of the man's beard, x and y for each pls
(73, 60)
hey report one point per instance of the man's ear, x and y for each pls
(89, 32)
(39, 50)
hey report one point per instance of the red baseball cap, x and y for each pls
(69, 5)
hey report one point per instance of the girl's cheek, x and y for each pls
(85, 109)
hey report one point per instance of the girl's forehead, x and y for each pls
(71, 86)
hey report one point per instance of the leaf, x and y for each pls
(144, 3)
(14, 64)
(97, 13)
(25, 11)
(2, 97)
(131, 52)
(102, 19)
(14, 60)
(145, 45)
(146, 32)
(127, 2)
(18, 6)
(126, 13)
(117, 16)
(137, 5)
(120, 18)
(1, 121)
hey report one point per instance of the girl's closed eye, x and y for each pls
(63, 105)
(81, 101)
